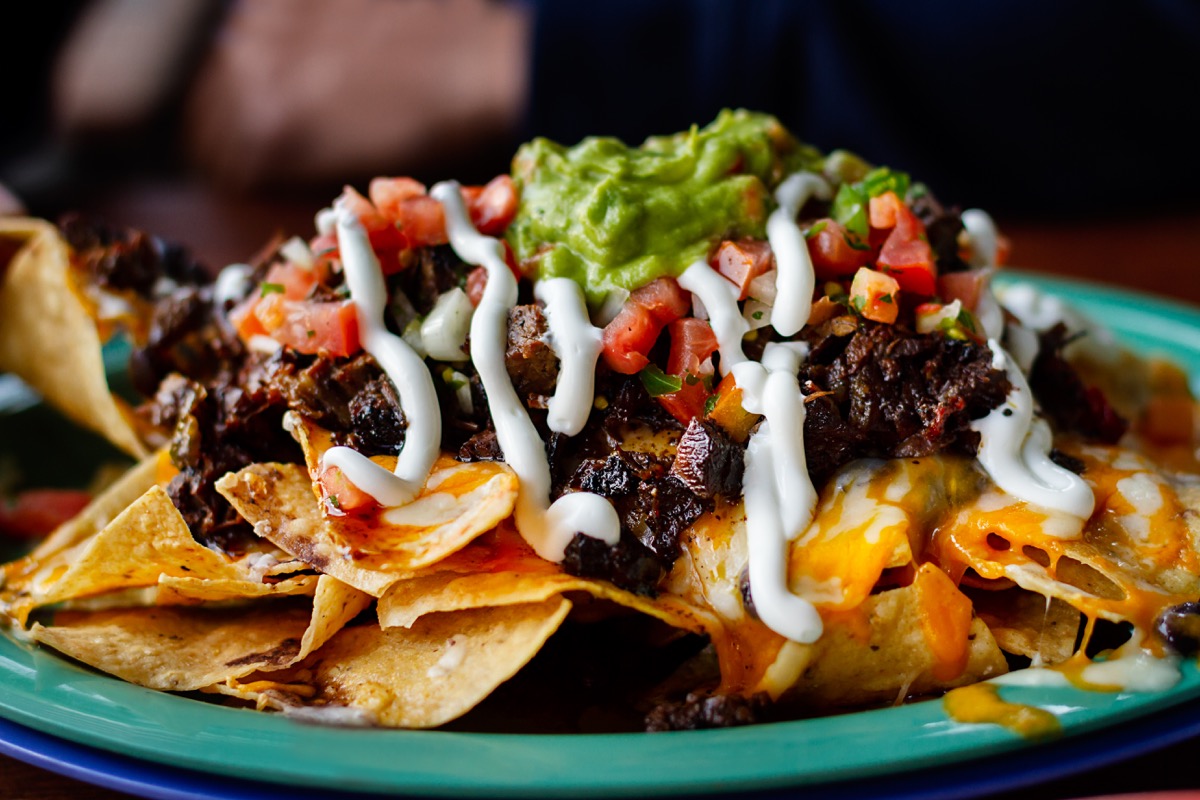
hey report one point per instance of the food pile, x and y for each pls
(733, 429)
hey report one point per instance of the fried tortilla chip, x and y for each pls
(498, 569)
(1030, 625)
(462, 501)
(39, 303)
(184, 649)
(418, 677)
(885, 656)
(180, 649)
(177, 591)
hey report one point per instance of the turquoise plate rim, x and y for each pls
(50, 694)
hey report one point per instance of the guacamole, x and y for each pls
(611, 216)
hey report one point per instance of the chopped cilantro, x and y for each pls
(711, 403)
(658, 383)
(272, 288)
(757, 315)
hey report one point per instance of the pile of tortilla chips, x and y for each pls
(924, 575)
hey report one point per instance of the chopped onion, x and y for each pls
(698, 309)
(445, 329)
(296, 251)
(326, 221)
(757, 313)
(763, 287)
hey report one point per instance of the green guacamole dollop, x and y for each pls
(610, 216)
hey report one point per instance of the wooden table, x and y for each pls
(1160, 255)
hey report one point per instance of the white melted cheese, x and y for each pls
(1014, 449)
(403, 367)
(547, 528)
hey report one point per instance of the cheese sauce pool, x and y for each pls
(780, 498)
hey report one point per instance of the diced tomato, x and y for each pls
(967, 287)
(875, 295)
(387, 240)
(310, 327)
(422, 220)
(296, 281)
(906, 254)
(628, 338)
(742, 262)
(342, 495)
(37, 512)
(832, 254)
(692, 346)
(476, 283)
(492, 206)
(245, 321)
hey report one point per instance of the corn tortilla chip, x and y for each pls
(187, 648)
(418, 677)
(180, 649)
(278, 500)
(38, 303)
(177, 591)
(499, 568)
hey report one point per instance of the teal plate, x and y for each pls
(49, 694)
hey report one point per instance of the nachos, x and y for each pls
(749, 413)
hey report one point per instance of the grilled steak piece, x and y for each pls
(530, 360)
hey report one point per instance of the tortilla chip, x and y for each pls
(500, 569)
(278, 500)
(38, 303)
(180, 649)
(1030, 625)
(885, 656)
(183, 649)
(176, 591)
(411, 678)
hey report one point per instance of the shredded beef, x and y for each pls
(217, 430)
(184, 338)
(702, 712)
(529, 358)
(884, 391)
(1067, 461)
(942, 229)
(626, 564)
(654, 508)
(127, 259)
(351, 398)
(483, 446)
(1069, 403)
(708, 461)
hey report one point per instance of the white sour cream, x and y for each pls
(1014, 449)
(547, 528)
(719, 297)
(796, 280)
(577, 344)
(403, 367)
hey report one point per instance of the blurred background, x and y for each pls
(217, 123)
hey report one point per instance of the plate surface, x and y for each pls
(50, 695)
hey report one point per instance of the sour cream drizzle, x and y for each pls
(547, 528)
(577, 344)
(403, 367)
(779, 496)
(1014, 450)
(795, 280)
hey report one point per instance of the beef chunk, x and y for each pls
(661, 510)
(184, 338)
(1069, 403)
(708, 461)
(529, 358)
(217, 430)
(352, 398)
(127, 259)
(1067, 461)
(942, 228)
(627, 564)
(884, 391)
(483, 446)
(701, 712)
